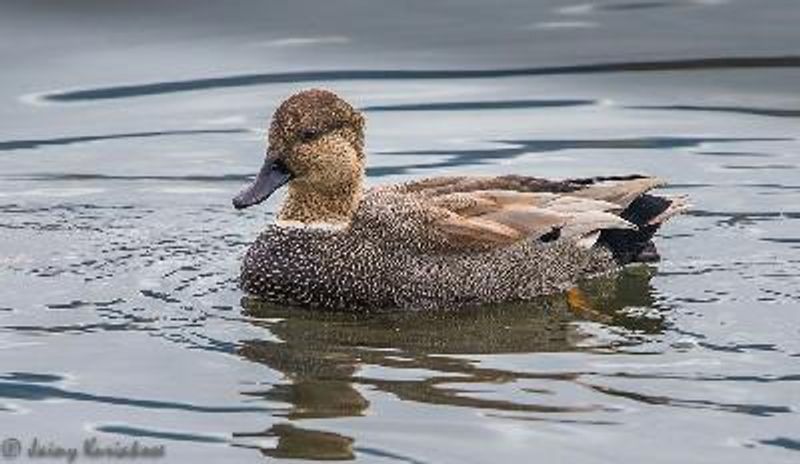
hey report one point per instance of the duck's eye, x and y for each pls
(307, 135)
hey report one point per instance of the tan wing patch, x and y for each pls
(571, 205)
(619, 192)
(485, 201)
(528, 221)
(476, 231)
(501, 217)
(493, 218)
(488, 212)
(586, 224)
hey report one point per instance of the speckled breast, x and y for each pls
(316, 268)
(345, 270)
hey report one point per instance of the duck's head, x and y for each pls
(316, 146)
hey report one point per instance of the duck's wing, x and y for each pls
(491, 218)
(443, 185)
(490, 212)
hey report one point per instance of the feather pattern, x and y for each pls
(442, 242)
(449, 241)
(488, 212)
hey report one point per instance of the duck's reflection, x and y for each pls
(327, 357)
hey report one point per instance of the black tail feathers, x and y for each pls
(648, 212)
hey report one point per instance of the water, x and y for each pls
(127, 128)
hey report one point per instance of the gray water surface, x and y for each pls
(126, 128)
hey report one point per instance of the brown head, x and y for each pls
(316, 146)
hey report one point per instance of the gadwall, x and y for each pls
(440, 242)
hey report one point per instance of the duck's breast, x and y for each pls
(315, 267)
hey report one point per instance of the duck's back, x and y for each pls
(448, 242)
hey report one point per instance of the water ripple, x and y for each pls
(36, 392)
(74, 176)
(480, 105)
(138, 432)
(760, 410)
(28, 144)
(516, 148)
(770, 112)
(783, 442)
(247, 80)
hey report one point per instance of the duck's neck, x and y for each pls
(305, 206)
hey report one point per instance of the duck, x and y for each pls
(444, 242)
